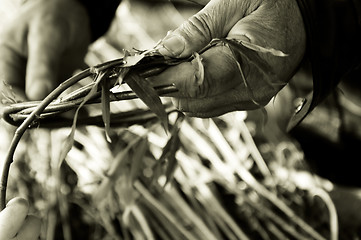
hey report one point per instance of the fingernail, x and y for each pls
(172, 46)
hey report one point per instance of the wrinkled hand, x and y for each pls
(271, 24)
(42, 46)
(15, 223)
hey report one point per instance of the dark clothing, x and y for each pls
(333, 29)
(101, 14)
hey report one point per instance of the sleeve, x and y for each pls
(101, 14)
(333, 31)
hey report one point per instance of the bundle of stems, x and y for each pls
(133, 69)
(153, 185)
(197, 182)
(203, 179)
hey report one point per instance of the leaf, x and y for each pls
(175, 132)
(102, 190)
(258, 48)
(132, 60)
(157, 172)
(170, 150)
(121, 75)
(105, 101)
(251, 57)
(70, 139)
(8, 95)
(144, 90)
(172, 160)
(200, 68)
(143, 223)
(137, 159)
(118, 161)
(126, 215)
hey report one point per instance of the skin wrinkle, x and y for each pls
(218, 21)
(219, 28)
(261, 94)
(264, 26)
(269, 23)
(199, 23)
(250, 8)
(231, 17)
(189, 87)
(237, 100)
(217, 109)
(212, 73)
(256, 94)
(260, 26)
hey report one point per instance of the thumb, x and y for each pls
(214, 21)
(12, 217)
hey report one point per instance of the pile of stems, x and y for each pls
(31, 114)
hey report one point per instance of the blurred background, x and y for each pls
(237, 176)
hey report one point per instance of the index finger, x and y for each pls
(47, 41)
(12, 217)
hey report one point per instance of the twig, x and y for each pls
(332, 211)
(148, 65)
(224, 168)
(23, 127)
(16, 113)
(154, 203)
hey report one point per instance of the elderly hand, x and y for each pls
(42, 46)
(15, 223)
(272, 24)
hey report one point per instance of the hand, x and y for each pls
(15, 223)
(42, 46)
(266, 23)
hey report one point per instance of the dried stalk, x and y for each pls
(33, 112)
(153, 202)
(232, 165)
(23, 127)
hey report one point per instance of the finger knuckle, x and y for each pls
(200, 23)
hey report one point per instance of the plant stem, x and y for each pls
(15, 113)
(165, 212)
(24, 126)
